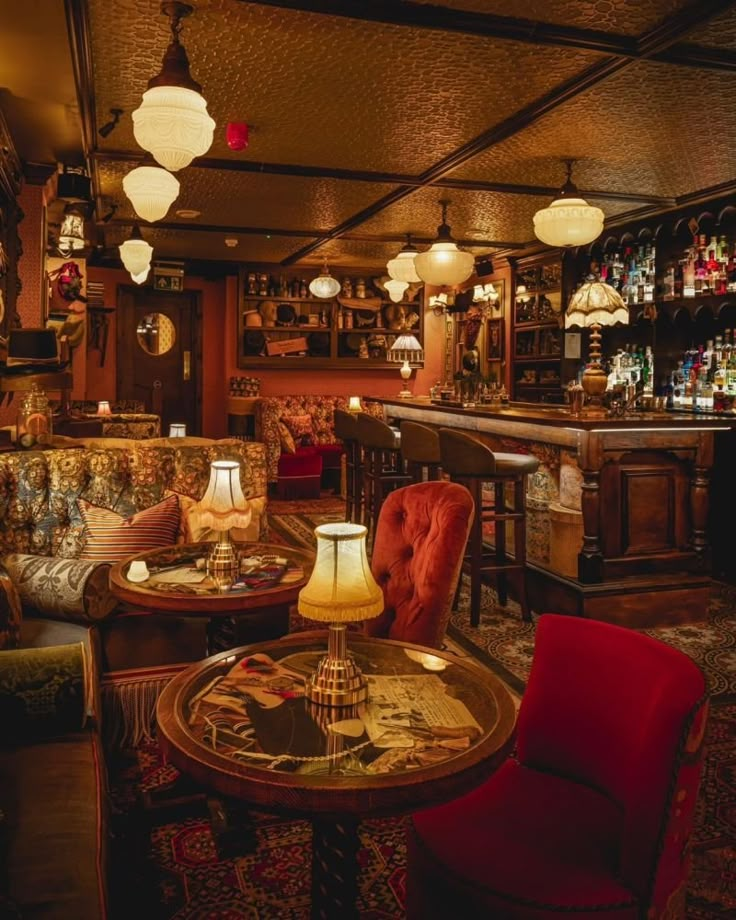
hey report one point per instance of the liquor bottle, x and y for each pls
(648, 372)
(668, 282)
(648, 288)
(701, 272)
(731, 272)
(688, 273)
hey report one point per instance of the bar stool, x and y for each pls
(346, 429)
(383, 466)
(420, 448)
(471, 463)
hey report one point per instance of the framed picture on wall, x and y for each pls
(495, 339)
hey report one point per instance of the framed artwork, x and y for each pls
(495, 339)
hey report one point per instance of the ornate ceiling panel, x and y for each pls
(720, 32)
(197, 244)
(323, 90)
(485, 216)
(619, 16)
(632, 133)
(230, 198)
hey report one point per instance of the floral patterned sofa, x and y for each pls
(66, 598)
(128, 419)
(299, 469)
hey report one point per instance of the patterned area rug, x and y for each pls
(168, 864)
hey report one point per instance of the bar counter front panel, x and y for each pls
(617, 511)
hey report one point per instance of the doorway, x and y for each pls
(159, 354)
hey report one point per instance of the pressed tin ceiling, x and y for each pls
(364, 115)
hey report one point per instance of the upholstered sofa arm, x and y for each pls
(43, 692)
(62, 589)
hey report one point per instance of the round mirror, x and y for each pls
(156, 334)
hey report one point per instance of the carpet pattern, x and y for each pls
(172, 868)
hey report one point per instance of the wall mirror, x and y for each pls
(156, 333)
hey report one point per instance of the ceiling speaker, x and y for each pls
(483, 267)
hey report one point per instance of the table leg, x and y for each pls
(335, 869)
(224, 633)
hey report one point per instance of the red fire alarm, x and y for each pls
(237, 135)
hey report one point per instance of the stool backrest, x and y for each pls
(463, 455)
(372, 432)
(419, 443)
(345, 425)
(420, 541)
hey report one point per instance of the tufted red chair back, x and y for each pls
(420, 541)
(625, 714)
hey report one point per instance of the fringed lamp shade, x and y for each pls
(596, 302)
(224, 505)
(340, 590)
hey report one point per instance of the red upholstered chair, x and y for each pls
(420, 541)
(591, 817)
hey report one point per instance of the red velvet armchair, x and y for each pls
(420, 540)
(592, 815)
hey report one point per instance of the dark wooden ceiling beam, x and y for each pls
(397, 238)
(352, 175)
(654, 41)
(490, 25)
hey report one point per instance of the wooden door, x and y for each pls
(159, 354)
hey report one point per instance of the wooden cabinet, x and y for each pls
(537, 336)
(315, 333)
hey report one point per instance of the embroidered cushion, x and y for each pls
(287, 439)
(300, 427)
(110, 537)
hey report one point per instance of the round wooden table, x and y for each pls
(433, 727)
(235, 616)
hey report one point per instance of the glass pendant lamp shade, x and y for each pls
(151, 190)
(396, 289)
(136, 253)
(172, 121)
(569, 220)
(141, 276)
(443, 263)
(324, 285)
(402, 268)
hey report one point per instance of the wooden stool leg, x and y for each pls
(499, 501)
(476, 552)
(368, 485)
(520, 545)
(359, 481)
(349, 483)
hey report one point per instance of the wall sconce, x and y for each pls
(522, 295)
(439, 303)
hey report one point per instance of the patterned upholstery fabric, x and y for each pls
(10, 611)
(42, 691)
(65, 588)
(300, 427)
(89, 406)
(270, 409)
(134, 426)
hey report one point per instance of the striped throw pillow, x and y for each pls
(110, 536)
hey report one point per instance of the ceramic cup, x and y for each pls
(137, 570)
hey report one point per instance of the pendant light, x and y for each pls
(172, 121)
(136, 253)
(569, 220)
(396, 289)
(151, 190)
(141, 277)
(324, 285)
(443, 263)
(401, 267)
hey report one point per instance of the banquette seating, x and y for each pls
(303, 453)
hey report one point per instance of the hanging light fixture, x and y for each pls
(172, 122)
(396, 289)
(151, 190)
(141, 276)
(402, 268)
(443, 263)
(324, 285)
(136, 254)
(71, 234)
(569, 220)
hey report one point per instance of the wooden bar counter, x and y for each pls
(617, 511)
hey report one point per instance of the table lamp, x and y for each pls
(406, 348)
(340, 590)
(222, 507)
(354, 404)
(593, 305)
(177, 430)
(103, 407)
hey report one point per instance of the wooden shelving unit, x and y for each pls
(536, 336)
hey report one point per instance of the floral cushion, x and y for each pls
(287, 439)
(65, 589)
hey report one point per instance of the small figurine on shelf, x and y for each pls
(363, 348)
(347, 287)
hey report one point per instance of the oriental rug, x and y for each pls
(167, 863)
